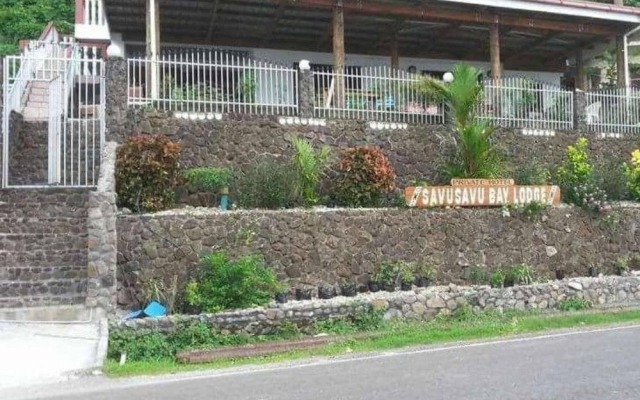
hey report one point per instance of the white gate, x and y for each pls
(53, 118)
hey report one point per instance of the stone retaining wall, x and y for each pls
(422, 304)
(417, 152)
(310, 247)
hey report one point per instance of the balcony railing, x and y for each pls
(91, 20)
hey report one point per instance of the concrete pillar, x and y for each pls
(620, 62)
(153, 47)
(579, 111)
(306, 90)
(338, 54)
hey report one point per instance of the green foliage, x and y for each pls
(532, 211)
(573, 304)
(310, 166)
(365, 176)
(520, 274)
(497, 278)
(622, 265)
(478, 275)
(632, 174)
(147, 172)
(575, 170)
(611, 177)
(247, 87)
(154, 345)
(267, 184)
(368, 320)
(423, 270)
(224, 284)
(476, 154)
(210, 179)
(532, 173)
(406, 272)
(26, 19)
(386, 274)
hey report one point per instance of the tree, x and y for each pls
(25, 19)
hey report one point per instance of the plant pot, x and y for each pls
(326, 292)
(281, 298)
(406, 286)
(374, 286)
(593, 272)
(560, 274)
(303, 294)
(422, 282)
(363, 288)
(348, 290)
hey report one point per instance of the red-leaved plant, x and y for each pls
(365, 177)
(147, 172)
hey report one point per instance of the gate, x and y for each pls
(53, 118)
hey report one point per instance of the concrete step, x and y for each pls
(35, 114)
(41, 258)
(39, 91)
(42, 274)
(70, 313)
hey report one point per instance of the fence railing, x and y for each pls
(525, 103)
(615, 110)
(376, 93)
(213, 81)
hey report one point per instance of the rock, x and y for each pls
(551, 251)
(436, 302)
(419, 308)
(575, 285)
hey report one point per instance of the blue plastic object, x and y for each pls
(153, 310)
(224, 202)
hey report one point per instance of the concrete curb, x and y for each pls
(103, 344)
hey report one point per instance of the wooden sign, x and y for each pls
(480, 193)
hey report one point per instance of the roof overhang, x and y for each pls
(531, 38)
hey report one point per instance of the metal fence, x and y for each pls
(212, 81)
(374, 93)
(615, 110)
(525, 103)
(67, 93)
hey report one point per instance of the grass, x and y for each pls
(462, 326)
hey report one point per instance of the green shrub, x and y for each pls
(532, 211)
(147, 172)
(266, 184)
(478, 275)
(532, 173)
(632, 173)
(209, 179)
(365, 177)
(386, 274)
(310, 166)
(224, 284)
(426, 271)
(622, 265)
(520, 274)
(575, 171)
(610, 176)
(573, 304)
(497, 278)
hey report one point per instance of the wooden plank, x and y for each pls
(494, 51)
(212, 20)
(425, 13)
(395, 54)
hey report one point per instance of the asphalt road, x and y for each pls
(599, 364)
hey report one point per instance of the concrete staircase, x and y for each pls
(37, 103)
(43, 254)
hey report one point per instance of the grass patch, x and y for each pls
(461, 326)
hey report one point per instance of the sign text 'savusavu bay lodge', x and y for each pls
(480, 193)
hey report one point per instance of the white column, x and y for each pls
(153, 47)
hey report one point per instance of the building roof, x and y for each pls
(531, 36)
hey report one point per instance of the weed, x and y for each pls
(573, 304)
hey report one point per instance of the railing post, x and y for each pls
(580, 111)
(306, 90)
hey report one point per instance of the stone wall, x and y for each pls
(416, 153)
(308, 247)
(422, 304)
(102, 237)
